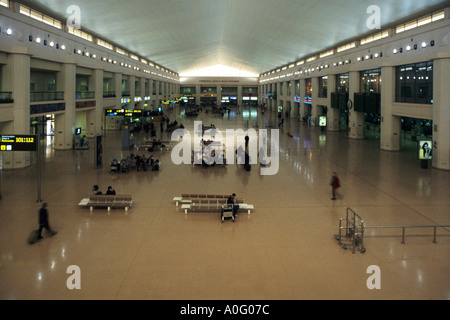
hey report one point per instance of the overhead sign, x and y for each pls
(18, 142)
(123, 112)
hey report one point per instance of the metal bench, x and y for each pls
(108, 201)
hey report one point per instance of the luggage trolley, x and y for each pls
(226, 212)
(353, 227)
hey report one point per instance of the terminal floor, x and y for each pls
(285, 250)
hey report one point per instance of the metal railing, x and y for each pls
(46, 96)
(109, 94)
(80, 95)
(404, 227)
(352, 229)
(6, 97)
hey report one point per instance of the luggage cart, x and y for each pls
(351, 232)
(226, 212)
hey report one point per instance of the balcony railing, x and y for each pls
(80, 95)
(6, 97)
(46, 96)
(109, 94)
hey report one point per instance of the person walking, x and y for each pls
(43, 222)
(335, 184)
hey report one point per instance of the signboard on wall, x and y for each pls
(18, 142)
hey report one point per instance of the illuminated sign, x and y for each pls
(307, 100)
(18, 142)
(124, 113)
(322, 121)
(425, 149)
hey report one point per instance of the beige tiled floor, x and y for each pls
(285, 250)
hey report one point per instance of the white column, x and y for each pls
(291, 97)
(240, 96)
(142, 86)
(65, 123)
(314, 97)
(333, 114)
(198, 93)
(18, 73)
(302, 109)
(390, 131)
(94, 119)
(441, 114)
(132, 80)
(151, 82)
(356, 119)
(117, 84)
(219, 95)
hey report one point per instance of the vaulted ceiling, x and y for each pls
(249, 35)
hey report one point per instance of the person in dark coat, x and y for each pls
(111, 191)
(335, 184)
(43, 221)
(232, 200)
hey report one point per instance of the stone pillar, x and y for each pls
(441, 114)
(117, 83)
(65, 123)
(301, 107)
(291, 97)
(315, 95)
(198, 94)
(132, 80)
(333, 114)
(151, 83)
(239, 96)
(356, 119)
(95, 118)
(219, 95)
(18, 73)
(390, 131)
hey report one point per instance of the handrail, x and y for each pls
(404, 227)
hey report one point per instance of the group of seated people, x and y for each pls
(96, 191)
(141, 162)
(172, 126)
(155, 145)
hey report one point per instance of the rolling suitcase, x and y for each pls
(33, 237)
(226, 212)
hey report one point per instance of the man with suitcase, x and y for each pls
(43, 222)
(232, 200)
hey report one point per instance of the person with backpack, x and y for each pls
(335, 183)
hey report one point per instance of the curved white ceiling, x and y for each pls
(249, 35)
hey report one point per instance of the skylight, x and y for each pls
(219, 71)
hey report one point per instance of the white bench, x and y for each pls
(108, 201)
(208, 207)
(181, 200)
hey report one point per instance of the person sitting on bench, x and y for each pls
(232, 200)
(96, 190)
(111, 191)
